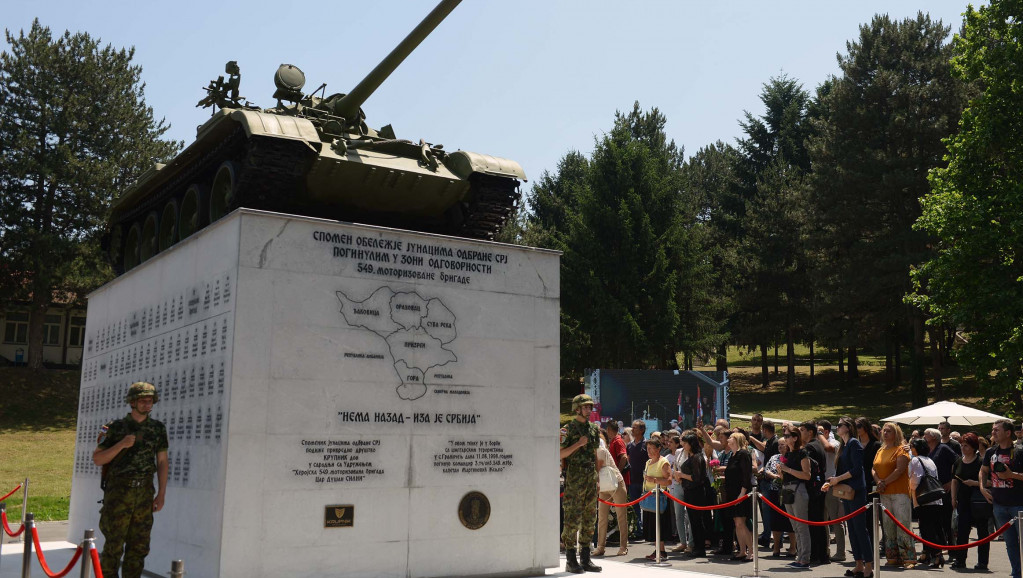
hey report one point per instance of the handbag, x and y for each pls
(843, 491)
(788, 496)
(608, 480)
(980, 510)
(649, 504)
(930, 489)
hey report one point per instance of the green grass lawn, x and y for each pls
(741, 357)
(37, 439)
(830, 397)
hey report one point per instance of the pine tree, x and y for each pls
(553, 204)
(881, 133)
(554, 200)
(711, 178)
(75, 131)
(617, 277)
(637, 280)
(772, 268)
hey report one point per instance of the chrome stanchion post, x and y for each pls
(24, 500)
(24, 504)
(657, 524)
(26, 558)
(1019, 534)
(177, 569)
(3, 508)
(88, 543)
(876, 520)
(657, 530)
(756, 545)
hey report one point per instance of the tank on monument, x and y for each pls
(312, 154)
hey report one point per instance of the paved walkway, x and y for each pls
(621, 568)
(634, 564)
(52, 536)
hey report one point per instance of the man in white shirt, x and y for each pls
(831, 502)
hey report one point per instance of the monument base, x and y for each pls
(341, 400)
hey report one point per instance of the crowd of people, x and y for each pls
(952, 484)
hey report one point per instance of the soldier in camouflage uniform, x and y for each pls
(580, 439)
(131, 450)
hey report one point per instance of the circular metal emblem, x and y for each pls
(474, 510)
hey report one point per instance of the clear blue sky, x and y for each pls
(527, 80)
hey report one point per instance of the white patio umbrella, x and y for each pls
(953, 413)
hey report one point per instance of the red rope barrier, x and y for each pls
(640, 499)
(96, 568)
(714, 507)
(626, 505)
(980, 542)
(808, 522)
(3, 518)
(10, 493)
(42, 559)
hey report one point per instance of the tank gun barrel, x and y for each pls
(348, 106)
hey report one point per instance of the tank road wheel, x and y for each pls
(148, 243)
(131, 247)
(193, 211)
(222, 192)
(168, 225)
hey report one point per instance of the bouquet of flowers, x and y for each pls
(718, 483)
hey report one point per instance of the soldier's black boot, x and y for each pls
(584, 560)
(571, 564)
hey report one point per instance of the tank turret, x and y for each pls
(312, 154)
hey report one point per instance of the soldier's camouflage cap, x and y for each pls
(141, 389)
(581, 400)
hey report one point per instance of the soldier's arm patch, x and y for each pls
(105, 435)
(102, 434)
(564, 437)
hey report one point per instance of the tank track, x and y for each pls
(269, 177)
(272, 174)
(493, 201)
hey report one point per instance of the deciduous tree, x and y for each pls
(974, 280)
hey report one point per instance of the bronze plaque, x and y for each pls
(341, 516)
(474, 510)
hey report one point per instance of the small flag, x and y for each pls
(680, 420)
(699, 403)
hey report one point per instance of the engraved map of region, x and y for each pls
(416, 331)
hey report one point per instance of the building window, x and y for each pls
(16, 328)
(51, 330)
(76, 332)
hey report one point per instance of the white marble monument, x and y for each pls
(341, 400)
